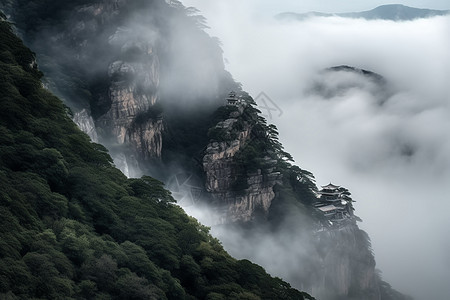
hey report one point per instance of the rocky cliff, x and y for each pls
(347, 265)
(104, 59)
(239, 192)
(85, 122)
(250, 179)
(130, 87)
(132, 93)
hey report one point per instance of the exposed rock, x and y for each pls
(125, 106)
(85, 122)
(128, 164)
(222, 177)
(346, 265)
(128, 76)
(146, 138)
(133, 91)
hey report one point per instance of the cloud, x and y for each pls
(394, 157)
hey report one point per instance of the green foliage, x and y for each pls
(73, 227)
(218, 134)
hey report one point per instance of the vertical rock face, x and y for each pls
(85, 122)
(347, 265)
(132, 93)
(239, 195)
(257, 198)
(146, 138)
(130, 87)
(118, 59)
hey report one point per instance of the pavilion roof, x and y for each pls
(330, 186)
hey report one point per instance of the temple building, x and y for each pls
(328, 210)
(330, 193)
(232, 99)
(333, 202)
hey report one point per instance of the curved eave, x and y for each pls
(330, 186)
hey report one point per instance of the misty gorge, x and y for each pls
(293, 139)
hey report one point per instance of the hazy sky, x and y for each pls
(394, 158)
(271, 7)
(345, 6)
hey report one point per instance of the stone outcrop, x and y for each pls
(238, 195)
(118, 67)
(104, 56)
(345, 265)
(133, 78)
(85, 122)
(132, 93)
(146, 138)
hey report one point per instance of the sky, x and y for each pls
(394, 157)
(271, 7)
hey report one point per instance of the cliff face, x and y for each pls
(85, 122)
(146, 138)
(133, 92)
(102, 58)
(240, 194)
(132, 81)
(346, 265)
(113, 61)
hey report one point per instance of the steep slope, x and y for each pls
(74, 227)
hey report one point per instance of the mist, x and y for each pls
(117, 62)
(393, 155)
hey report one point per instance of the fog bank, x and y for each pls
(394, 157)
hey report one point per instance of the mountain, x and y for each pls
(253, 184)
(74, 227)
(393, 12)
(143, 79)
(104, 58)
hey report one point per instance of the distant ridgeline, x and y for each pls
(74, 227)
(392, 12)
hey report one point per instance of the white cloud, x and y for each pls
(394, 158)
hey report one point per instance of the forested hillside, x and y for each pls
(74, 227)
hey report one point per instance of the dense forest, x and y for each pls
(74, 227)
